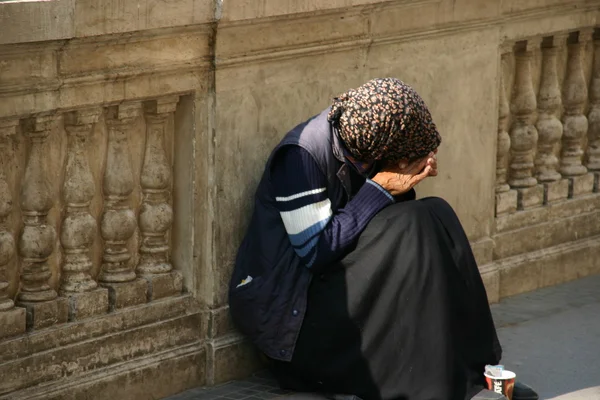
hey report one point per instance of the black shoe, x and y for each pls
(524, 392)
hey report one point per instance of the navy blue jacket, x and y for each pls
(270, 309)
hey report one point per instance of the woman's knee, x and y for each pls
(433, 200)
(406, 210)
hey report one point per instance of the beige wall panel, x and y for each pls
(240, 39)
(257, 104)
(139, 54)
(99, 17)
(248, 9)
(34, 21)
(457, 77)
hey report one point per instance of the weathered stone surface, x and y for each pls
(549, 266)
(36, 242)
(150, 377)
(91, 329)
(98, 17)
(12, 322)
(87, 304)
(556, 191)
(491, 280)
(220, 323)
(27, 22)
(230, 357)
(244, 73)
(581, 185)
(46, 313)
(506, 202)
(546, 234)
(551, 212)
(127, 294)
(483, 250)
(79, 227)
(82, 357)
(530, 197)
(164, 285)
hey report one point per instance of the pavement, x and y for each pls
(550, 337)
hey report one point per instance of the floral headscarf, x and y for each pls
(386, 120)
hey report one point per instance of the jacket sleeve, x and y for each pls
(319, 236)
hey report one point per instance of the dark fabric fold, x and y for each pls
(404, 316)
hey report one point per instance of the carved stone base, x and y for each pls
(126, 294)
(506, 202)
(491, 280)
(87, 304)
(150, 351)
(530, 197)
(580, 185)
(47, 313)
(220, 322)
(556, 191)
(12, 322)
(549, 266)
(164, 285)
(231, 357)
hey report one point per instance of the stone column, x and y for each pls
(118, 218)
(593, 149)
(12, 319)
(38, 237)
(506, 199)
(156, 214)
(523, 134)
(575, 122)
(79, 226)
(550, 129)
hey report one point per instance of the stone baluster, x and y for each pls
(118, 218)
(38, 237)
(12, 319)
(548, 125)
(79, 226)
(523, 134)
(593, 149)
(506, 199)
(575, 123)
(156, 214)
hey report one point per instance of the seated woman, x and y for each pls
(346, 282)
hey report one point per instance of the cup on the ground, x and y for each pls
(503, 383)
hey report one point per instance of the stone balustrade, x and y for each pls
(549, 153)
(133, 135)
(71, 244)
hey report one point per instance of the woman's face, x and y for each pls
(406, 161)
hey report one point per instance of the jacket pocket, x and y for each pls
(246, 306)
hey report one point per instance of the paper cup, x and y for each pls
(501, 384)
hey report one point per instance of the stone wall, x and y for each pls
(133, 135)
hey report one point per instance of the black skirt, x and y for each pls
(404, 316)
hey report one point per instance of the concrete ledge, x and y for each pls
(12, 322)
(483, 250)
(81, 357)
(491, 280)
(549, 266)
(230, 357)
(48, 339)
(126, 294)
(551, 212)
(46, 313)
(545, 235)
(151, 377)
(88, 304)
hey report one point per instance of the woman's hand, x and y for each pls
(402, 178)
